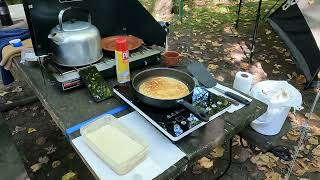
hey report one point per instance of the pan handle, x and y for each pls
(198, 113)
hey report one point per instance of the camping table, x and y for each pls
(73, 107)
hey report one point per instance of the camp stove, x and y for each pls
(68, 77)
(134, 20)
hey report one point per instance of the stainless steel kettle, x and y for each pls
(75, 43)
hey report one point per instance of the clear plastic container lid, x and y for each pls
(120, 148)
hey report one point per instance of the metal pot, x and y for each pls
(75, 43)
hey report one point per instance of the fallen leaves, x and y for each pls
(313, 116)
(273, 176)
(18, 129)
(313, 140)
(55, 164)
(300, 79)
(220, 78)
(293, 134)
(300, 167)
(205, 162)
(244, 155)
(71, 155)
(213, 66)
(312, 167)
(43, 160)
(41, 140)
(9, 102)
(275, 72)
(51, 149)
(296, 119)
(277, 66)
(17, 89)
(216, 44)
(31, 130)
(3, 93)
(217, 152)
(268, 31)
(69, 176)
(36, 167)
(316, 151)
(245, 66)
(293, 75)
(264, 161)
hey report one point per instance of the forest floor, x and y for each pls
(206, 34)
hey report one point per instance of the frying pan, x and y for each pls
(109, 43)
(169, 103)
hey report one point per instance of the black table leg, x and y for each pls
(238, 13)
(255, 31)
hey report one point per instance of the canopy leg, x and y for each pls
(238, 14)
(255, 31)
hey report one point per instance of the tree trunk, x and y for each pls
(162, 10)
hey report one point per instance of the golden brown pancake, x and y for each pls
(163, 88)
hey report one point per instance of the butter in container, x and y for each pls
(115, 144)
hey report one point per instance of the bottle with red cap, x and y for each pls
(122, 60)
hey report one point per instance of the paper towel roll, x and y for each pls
(243, 82)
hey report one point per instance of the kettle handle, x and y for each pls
(60, 16)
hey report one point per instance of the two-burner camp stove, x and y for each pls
(68, 77)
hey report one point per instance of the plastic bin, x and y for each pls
(122, 152)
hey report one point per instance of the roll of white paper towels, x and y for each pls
(243, 82)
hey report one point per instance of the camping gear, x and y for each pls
(119, 139)
(5, 37)
(205, 78)
(109, 43)
(171, 58)
(151, 167)
(165, 103)
(9, 52)
(280, 96)
(177, 122)
(122, 60)
(75, 43)
(298, 27)
(243, 82)
(133, 20)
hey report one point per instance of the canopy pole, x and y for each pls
(180, 9)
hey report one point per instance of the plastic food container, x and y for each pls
(120, 148)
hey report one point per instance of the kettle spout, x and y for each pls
(55, 37)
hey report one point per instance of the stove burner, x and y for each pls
(69, 77)
(178, 122)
